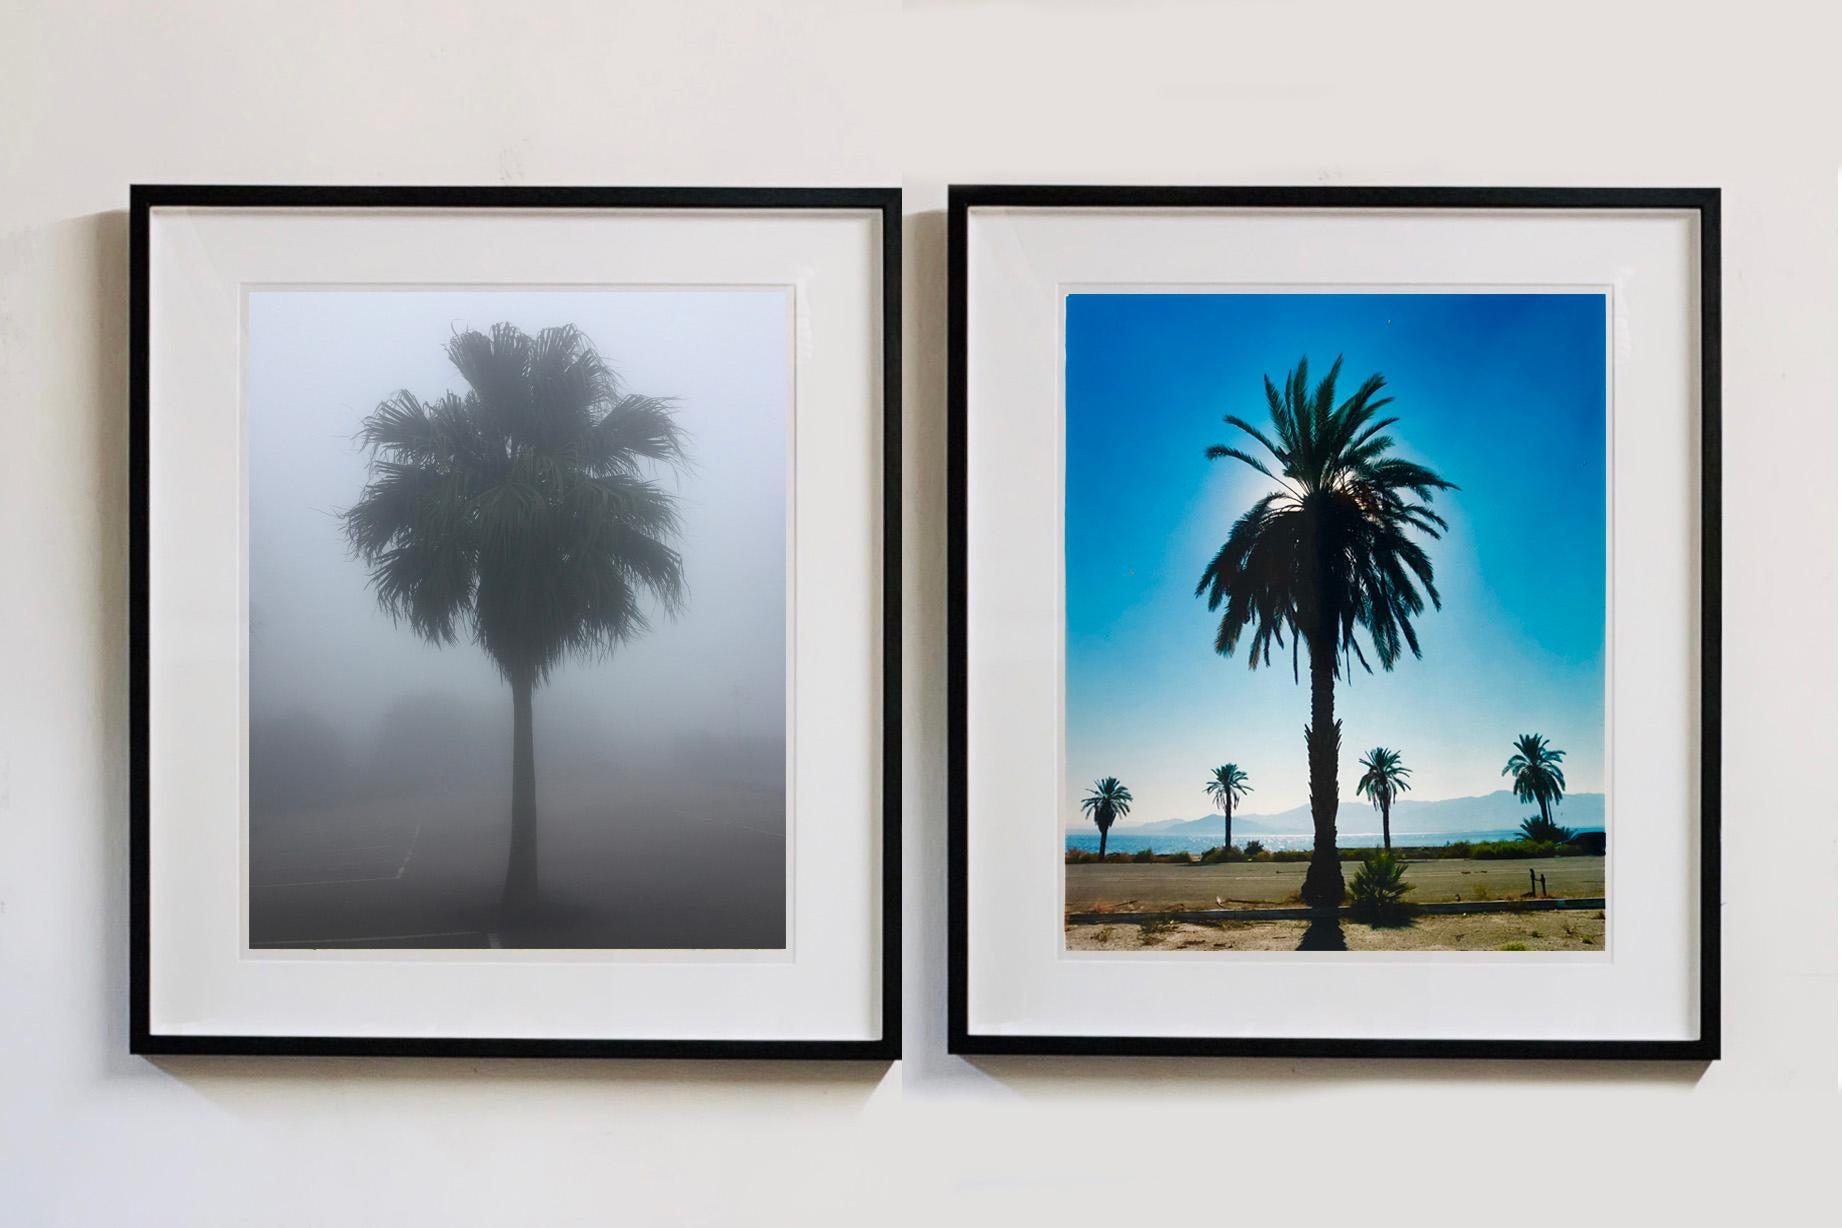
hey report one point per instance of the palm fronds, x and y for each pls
(1535, 772)
(1332, 552)
(521, 513)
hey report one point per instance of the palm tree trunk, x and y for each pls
(1228, 823)
(521, 868)
(1103, 844)
(1323, 739)
(1387, 841)
(1541, 799)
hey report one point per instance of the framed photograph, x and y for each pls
(516, 642)
(1334, 616)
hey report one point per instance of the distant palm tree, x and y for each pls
(1332, 550)
(520, 515)
(1105, 803)
(1227, 784)
(1382, 778)
(1536, 772)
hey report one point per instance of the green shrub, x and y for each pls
(1376, 890)
(1537, 830)
(1501, 850)
(1253, 849)
(1216, 856)
(1086, 857)
(1150, 933)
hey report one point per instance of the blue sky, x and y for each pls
(1504, 394)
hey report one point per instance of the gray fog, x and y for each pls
(380, 765)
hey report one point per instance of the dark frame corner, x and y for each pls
(887, 203)
(1704, 203)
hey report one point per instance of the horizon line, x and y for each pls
(1363, 802)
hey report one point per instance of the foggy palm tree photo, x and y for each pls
(522, 517)
(1355, 574)
(518, 590)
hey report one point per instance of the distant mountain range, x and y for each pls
(1499, 811)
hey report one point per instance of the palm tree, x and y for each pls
(1329, 552)
(1226, 785)
(1107, 801)
(1536, 772)
(520, 515)
(1383, 778)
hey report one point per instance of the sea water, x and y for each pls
(1126, 842)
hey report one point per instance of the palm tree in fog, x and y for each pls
(1107, 802)
(522, 515)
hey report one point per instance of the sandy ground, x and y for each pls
(1132, 886)
(1552, 931)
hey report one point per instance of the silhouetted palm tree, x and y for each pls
(1536, 772)
(1382, 778)
(1106, 802)
(520, 515)
(1329, 552)
(1227, 785)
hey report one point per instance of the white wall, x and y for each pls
(1338, 91)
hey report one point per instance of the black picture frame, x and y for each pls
(1702, 202)
(884, 201)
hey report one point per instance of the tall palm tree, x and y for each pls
(1383, 778)
(1329, 552)
(1227, 784)
(520, 515)
(1106, 802)
(1536, 772)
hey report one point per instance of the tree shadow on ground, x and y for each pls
(1325, 933)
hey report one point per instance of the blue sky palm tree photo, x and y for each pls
(1501, 395)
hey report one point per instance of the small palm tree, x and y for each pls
(1107, 802)
(1536, 774)
(1541, 831)
(1227, 784)
(1376, 891)
(520, 515)
(1383, 778)
(1329, 552)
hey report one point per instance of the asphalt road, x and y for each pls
(1155, 885)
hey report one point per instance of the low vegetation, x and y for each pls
(1464, 850)
(1539, 829)
(1083, 857)
(1377, 890)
